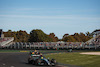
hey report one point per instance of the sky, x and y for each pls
(51, 16)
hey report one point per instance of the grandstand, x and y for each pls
(5, 41)
(96, 39)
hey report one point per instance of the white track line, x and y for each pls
(12, 66)
(3, 64)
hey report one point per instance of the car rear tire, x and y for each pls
(53, 61)
(38, 62)
(45, 63)
(29, 61)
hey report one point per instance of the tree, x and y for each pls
(19, 36)
(82, 37)
(65, 35)
(39, 36)
(22, 36)
(9, 30)
(89, 34)
(69, 39)
(53, 37)
(77, 37)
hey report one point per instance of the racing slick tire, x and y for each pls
(53, 62)
(37, 62)
(29, 61)
(45, 63)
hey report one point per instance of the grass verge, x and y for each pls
(7, 51)
(42, 51)
(76, 59)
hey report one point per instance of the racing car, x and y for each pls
(70, 50)
(38, 59)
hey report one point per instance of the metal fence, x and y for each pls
(51, 45)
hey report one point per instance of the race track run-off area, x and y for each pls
(17, 59)
(64, 58)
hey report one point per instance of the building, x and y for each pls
(1, 34)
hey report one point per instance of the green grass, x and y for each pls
(13, 51)
(42, 51)
(77, 59)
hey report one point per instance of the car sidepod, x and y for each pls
(45, 61)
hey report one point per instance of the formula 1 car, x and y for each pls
(41, 60)
(70, 50)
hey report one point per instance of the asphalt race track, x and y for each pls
(20, 59)
(17, 60)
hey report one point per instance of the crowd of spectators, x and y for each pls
(96, 41)
(58, 44)
(93, 42)
(4, 39)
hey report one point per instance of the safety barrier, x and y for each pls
(52, 45)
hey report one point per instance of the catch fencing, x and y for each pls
(51, 45)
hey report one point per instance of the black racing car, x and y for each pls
(70, 50)
(41, 60)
